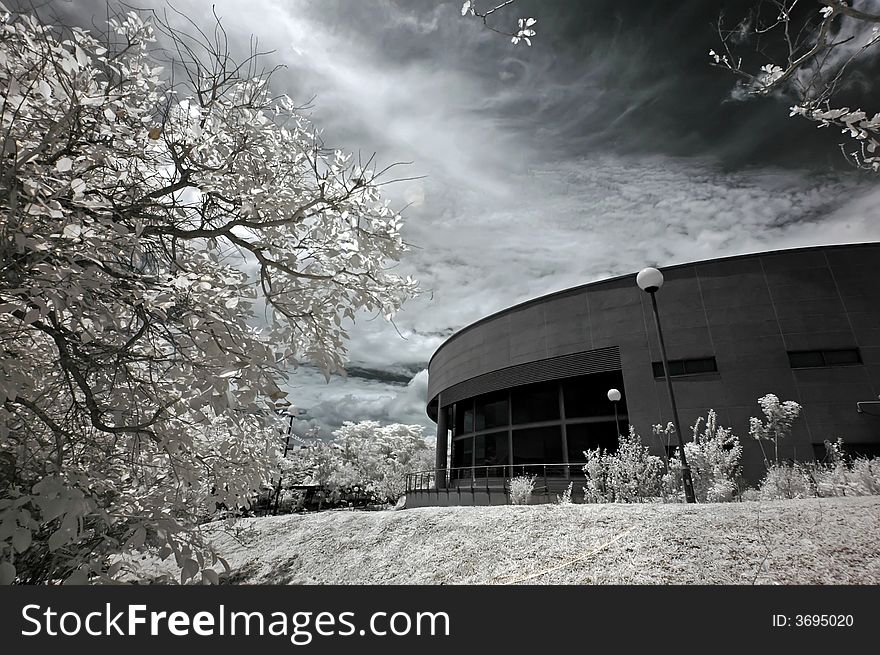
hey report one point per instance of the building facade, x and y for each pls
(529, 384)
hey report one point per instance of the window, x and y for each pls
(589, 436)
(687, 367)
(464, 417)
(587, 395)
(822, 358)
(462, 455)
(535, 403)
(535, 446)
(491, 411)
(491, 450)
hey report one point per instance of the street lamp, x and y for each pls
(650, 280)
(614, 397)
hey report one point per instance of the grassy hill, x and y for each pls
(812, 541)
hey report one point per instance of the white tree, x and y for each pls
(171, 240)
(368, 455)
(378, 457)
(809, 52)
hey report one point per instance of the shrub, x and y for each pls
(629, 475)
(714, 459)
(750, 494)
(521, 488)
(565, 498)
(836, 475)
(779, 417)
(786, 481)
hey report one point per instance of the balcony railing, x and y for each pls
(492, 479)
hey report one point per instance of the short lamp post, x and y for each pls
(650, 280)
(614, 397)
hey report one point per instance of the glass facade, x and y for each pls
(491, 450)
(589, 436)
(491, 411)
(541, 427)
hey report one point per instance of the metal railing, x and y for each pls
(491, 479)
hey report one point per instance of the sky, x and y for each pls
(608, 145)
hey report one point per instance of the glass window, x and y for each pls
(705, 365)
(491, 450)
(536, 402)
(587, 395)
(491, 411)
(588, 436)
(464, 417)
(687, 366)
(807, 359)
(537, 446)
(842, 357)
(462, 456)
(818, 358)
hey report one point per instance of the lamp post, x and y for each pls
(650, 280)
(614, 397)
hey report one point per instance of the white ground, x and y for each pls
(813, 541)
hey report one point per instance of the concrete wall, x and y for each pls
(745, 311)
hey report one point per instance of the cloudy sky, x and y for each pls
(608, 145)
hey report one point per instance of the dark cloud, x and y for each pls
(394, 377)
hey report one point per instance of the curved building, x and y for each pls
(528, 385)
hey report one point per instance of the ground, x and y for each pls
(811, 541)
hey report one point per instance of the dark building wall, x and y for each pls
(748, 312)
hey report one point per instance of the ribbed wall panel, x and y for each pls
(554, 368)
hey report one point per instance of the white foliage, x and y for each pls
(524, 31)
(713, 457)
(521, 488)
(367, 455)
(629, 475)
(778, 420)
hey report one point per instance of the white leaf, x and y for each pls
(72, 231)
(465, 7)
(63, 165)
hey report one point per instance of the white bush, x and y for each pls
(629, 475)
(836, 476)
(787, 480)
(565, 498)
(714, 459)
(521, 488)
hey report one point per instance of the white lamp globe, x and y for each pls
(649, 279)
(613, 395)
